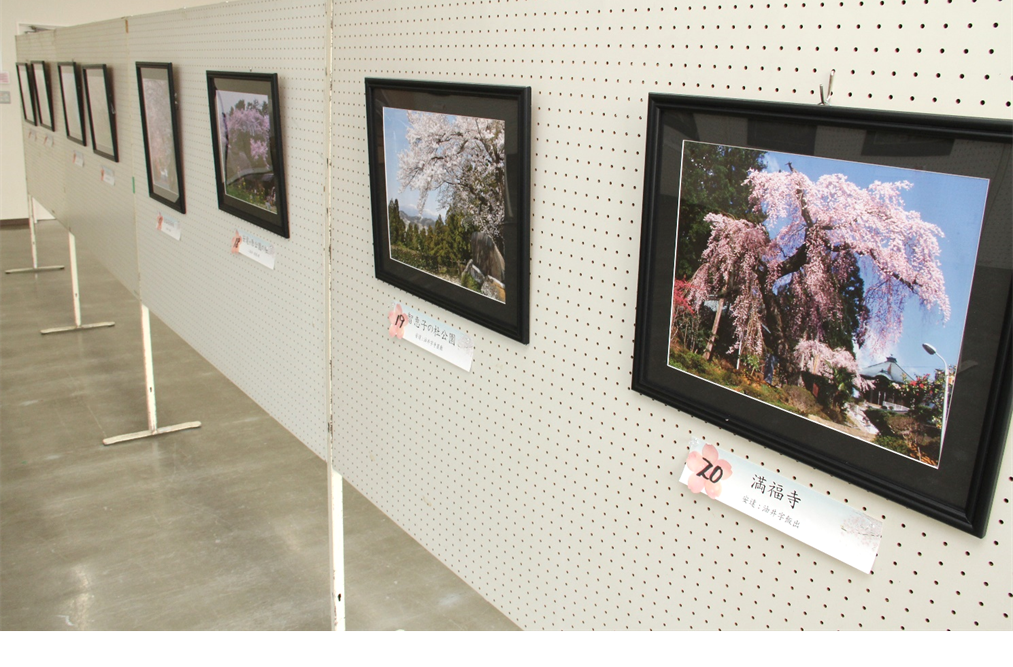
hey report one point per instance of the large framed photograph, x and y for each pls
(43, 100)
(160, 129)
(246, 135)
(834, 284)
(27, 93)
(73, 109)
(98, 88)
(449, 169)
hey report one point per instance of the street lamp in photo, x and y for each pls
(946, 386)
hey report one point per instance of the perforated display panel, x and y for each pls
(100, 215)
(540, 477)
(45, 162)
(264, 329)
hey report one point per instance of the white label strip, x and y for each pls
(78, 159)
(445, 342)
(790, 506)
(107, 175)
(168, 226)
(250, 246)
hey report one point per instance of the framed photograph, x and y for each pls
(44, 102)
(98, 88)
(246, 135)
(160, 129)
(73, 109)
(27, 93)
(834, 284)
(449, 169)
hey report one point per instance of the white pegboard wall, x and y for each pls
(101, 216)
(45, 162)
(540, 477)
(266, 330)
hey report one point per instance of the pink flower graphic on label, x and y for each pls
(708, 470)
(236, 241)
(397, 320)
(159, 222)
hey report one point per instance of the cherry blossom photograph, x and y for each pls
(835, 285)
(831, 289)
(449, 181)
(246, 129)
(446, 184)
(161, 134)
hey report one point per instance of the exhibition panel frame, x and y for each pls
(539, 477)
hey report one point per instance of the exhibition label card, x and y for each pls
(787, 505)
(32, 135)
(168, 226)
(445, 342)
(107, 175)
(78, 159)
(5, 77)
(250, 246)
(48, 141)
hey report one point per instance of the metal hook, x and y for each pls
(825, 100)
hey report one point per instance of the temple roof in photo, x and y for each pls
(890, 369)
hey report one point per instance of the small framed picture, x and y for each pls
(98, 88)
(834, 284)
(44, 102)
(246, 136)
(449, 169)
(160, 130)
(27, 86)
(73, 109)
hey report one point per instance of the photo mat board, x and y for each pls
(449, 186)
(807, 280)
(73, 109)
(160, 129)
(27, 86)
(101, 110)
(246, 136)
(43, 98)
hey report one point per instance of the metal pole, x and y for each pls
(31, 229)
(149, 387)
(34, 268)
(337, 529)
(73, 279)
(149, 370)
(75, 287)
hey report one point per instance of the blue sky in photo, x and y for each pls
(395, 127)
(955, 204)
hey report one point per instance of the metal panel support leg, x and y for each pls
(34, 268)
(149, 380)
(77, 297)
(337, 525)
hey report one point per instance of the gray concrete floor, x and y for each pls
(223, 527)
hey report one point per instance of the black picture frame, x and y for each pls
(70, 94)
(43, 98)
(160, 130)
(26, 86)
(98, 90)
(688, 274)
(249, 174)
(494, 236)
